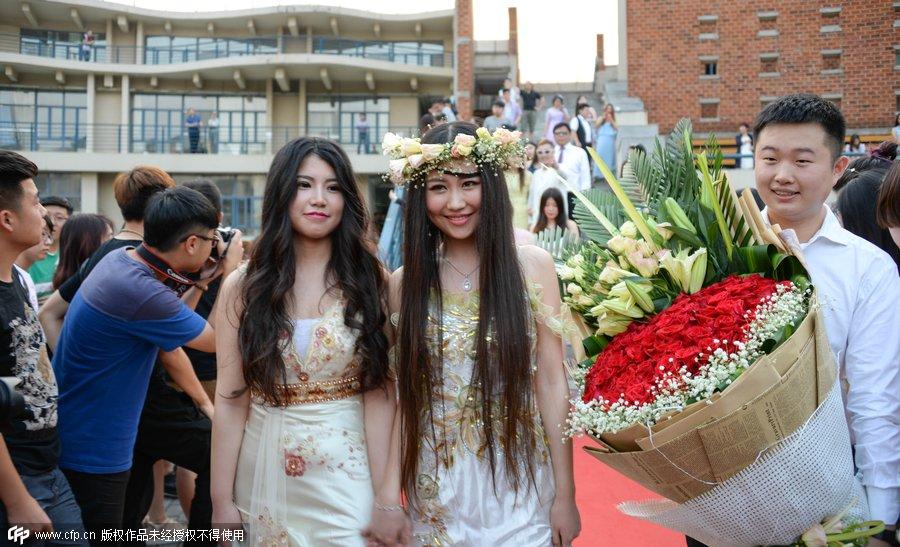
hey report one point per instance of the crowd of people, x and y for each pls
(312, 396)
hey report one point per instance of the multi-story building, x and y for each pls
(87, 109)
(720, 62)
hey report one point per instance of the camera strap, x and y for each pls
(174, 280)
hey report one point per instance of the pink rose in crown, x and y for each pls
(505, 136)
(464, 140)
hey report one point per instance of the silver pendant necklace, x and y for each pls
(467, 282)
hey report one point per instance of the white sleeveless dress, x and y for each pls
(303, 472)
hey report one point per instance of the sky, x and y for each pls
(557, 38)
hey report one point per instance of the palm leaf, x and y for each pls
(560, 243)
(590, 227)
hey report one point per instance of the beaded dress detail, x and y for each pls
(455, 499)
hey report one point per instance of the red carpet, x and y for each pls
(598, 490)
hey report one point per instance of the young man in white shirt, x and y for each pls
(797, 162)
(573, 159)
(581, 127)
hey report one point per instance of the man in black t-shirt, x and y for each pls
(532, 102)
(34, 493)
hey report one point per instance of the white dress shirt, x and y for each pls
(859, 291)
(28, 283)
(575, 162)
(588, 129)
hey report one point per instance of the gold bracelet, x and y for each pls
(390, 508)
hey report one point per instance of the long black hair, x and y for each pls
(543, 221)
(502, 350)
(269, 282)
(857, 204)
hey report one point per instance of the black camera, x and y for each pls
(12, 403)
(225, 234)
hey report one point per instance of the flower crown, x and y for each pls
(410, 160)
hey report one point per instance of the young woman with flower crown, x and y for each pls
(304, 406)
(479, 451)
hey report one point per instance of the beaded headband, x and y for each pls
(410, 160)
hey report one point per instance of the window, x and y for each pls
(831, 60)
(158, 123)
(182, 49)
(709, 110)
(710, 68)
(769, 66)
(833, 99)
(336, 117)
(36, 119)
(417, 53)
(66, 185)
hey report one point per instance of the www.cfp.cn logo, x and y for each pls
(18, 534)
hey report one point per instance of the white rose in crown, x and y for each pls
(416, 160)
(396, 167)
(390, 144)
(430, 152)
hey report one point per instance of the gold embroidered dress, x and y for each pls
(303, 471)
(455, 494)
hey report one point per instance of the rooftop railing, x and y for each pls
(168, 139)
(394, 52)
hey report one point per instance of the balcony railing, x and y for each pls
(164, 139)
(400, 53)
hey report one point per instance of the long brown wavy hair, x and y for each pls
(267, 287)
(502, 347)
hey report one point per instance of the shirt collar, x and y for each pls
(831, 228)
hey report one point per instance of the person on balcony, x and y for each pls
(193, 122)
(213, 132)
(363, 144)
(87, 45)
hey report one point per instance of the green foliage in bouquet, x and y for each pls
(671, 224)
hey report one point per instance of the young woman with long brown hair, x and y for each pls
(482, 388)
(303, 406)
(551, 213)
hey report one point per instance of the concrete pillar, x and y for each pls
(110, 42)
(309, 39)
(270, 113)
(301, 108)
(623, 40)
(125, 117)
(90, 196)
(139, 44)
(91, 99)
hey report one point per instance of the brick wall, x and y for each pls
(842, 50)
(465, 59)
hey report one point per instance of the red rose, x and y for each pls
(636, 360)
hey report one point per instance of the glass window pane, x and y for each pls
(169, 102)
(50, 98)
(75, 99)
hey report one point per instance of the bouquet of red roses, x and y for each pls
(707, 375)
